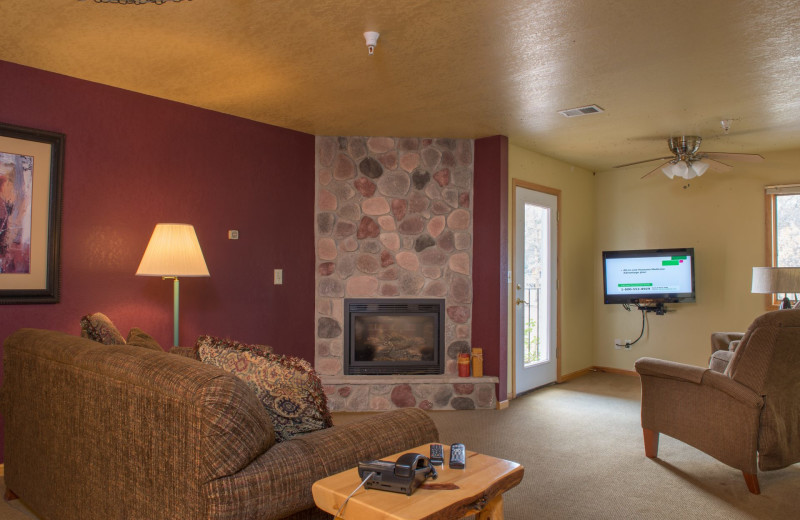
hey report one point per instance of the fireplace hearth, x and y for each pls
(393, 336)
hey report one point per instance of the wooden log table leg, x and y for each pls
(493, 510)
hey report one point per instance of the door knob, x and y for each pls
(520, 300)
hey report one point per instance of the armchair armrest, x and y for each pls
(669, 369)
(725, 340)
(699, 376)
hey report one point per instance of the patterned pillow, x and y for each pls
(98, 327)
(287, 386)
(139, 338)
(215, 342)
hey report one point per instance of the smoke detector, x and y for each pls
(372, 40)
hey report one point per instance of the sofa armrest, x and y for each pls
(189, 352)
(278, 483)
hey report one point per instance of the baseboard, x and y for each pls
(616, 371)
(502, 405)
(573, 375)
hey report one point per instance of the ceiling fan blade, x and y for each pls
(654, 170)
(743, 157)
(716, 165)
(645, 161)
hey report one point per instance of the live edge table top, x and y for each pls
(455, 494)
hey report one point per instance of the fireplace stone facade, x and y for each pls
(394, 219)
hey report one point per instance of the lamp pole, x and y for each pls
(176, 289)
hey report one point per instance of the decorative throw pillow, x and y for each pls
(288, 387)
(139, 338)
(98, 327)
(215, 342)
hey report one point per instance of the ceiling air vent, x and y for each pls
(581, 111)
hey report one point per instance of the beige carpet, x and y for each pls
(581, 445)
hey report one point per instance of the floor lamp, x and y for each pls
(173, 251)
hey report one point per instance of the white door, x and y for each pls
(534, 290)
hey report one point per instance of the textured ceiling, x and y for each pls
(448, 68)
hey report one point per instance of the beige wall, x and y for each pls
(721, 215)
(577, 249)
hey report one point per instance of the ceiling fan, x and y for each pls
(687, 162)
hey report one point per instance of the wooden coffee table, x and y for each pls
(477, 489)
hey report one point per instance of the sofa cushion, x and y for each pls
(98, 327)
(287, 386)
(139, 338)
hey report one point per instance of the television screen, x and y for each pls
(649, 276)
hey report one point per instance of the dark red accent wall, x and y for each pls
(132, 161)
(490, 257)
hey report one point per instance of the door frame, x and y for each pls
(518, 183)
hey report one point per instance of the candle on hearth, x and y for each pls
(463, 365)
(477, 362)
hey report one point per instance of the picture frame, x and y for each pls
(31, 177)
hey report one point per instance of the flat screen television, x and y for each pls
(649, 276)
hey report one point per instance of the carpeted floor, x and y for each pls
(581, 445)
(582, 449)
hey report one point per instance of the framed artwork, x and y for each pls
(31, 171)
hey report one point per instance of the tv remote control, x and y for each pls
(458, 456)
(437, 454)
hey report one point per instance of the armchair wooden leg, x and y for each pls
(650, 443)
(751, 480)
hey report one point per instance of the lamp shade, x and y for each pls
(173, 250)
(776, 280)
(684, 169)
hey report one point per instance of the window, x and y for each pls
(783, 227)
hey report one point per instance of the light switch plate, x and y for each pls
(278, 276)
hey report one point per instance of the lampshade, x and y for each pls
(776, 280)
(173, 250)
(684, 169)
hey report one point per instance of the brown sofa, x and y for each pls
(97, 431)
(748, 414)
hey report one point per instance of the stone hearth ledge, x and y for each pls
(365, 393)
(395, 379)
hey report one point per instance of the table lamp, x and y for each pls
(173, 251)
(774, 280)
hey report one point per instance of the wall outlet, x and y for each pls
(622, 343)
(278, 276)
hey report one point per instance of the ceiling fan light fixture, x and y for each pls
(699, 167)
(676, 169)
(684, 169)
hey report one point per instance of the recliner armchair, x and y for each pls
(748, 416)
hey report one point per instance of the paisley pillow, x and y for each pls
(215, 342)
(287, 386)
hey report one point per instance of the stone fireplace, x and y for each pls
(394, 221)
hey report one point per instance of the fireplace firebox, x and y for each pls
(393, 336)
